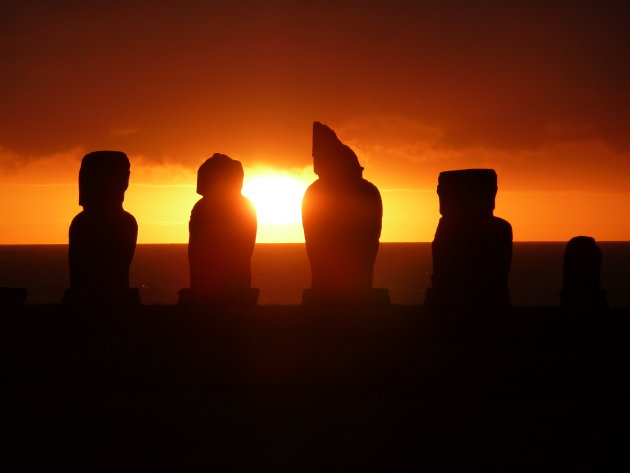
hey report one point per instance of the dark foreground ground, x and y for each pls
(282, 388)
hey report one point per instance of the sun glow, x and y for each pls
(276, 196)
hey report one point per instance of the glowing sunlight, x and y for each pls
(277, 197)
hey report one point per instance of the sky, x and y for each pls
(536, 90)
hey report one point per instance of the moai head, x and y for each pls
(582, 264)
(103, 180)
(467, 192)
(220, 175)
(332, 160)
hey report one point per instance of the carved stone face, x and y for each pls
(582, 256)
(332, 160)
(103, 179)
(220, 174)
(467, 192)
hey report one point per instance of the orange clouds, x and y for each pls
(537, 91)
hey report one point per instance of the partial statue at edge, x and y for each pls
(341, 215)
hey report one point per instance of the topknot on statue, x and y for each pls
(331, 158)
(467, 192)
(103, 179)
(220, 174)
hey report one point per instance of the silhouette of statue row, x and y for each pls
(342, 216)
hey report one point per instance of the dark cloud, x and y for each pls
(191, 78)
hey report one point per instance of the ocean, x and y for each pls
(281, 271)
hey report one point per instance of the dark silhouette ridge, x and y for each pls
(341, 215)
(284, 387)
(223, 229)
(102, 238)
(581, 291)
(472, 249)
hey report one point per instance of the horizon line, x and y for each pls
(302, 243)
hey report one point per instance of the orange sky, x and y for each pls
(538, 92)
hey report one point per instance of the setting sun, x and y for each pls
(277, 197)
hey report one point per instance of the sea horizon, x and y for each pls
(281, 271)
(302, 243)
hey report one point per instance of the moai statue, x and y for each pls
(223, 229)
(581, 291)
(103, 236)
(472, 249)
(341, 215)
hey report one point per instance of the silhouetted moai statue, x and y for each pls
(472, 249)
(341, 215)
(223, 229)
(103, 236)
(582, 290)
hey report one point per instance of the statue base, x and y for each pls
(455, 303)
(12, 296)
(584, 302)
(375, 297)
(237, 299)
(96, 298)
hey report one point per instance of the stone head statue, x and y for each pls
(582, 263)
(472, 249)
(467, 192)
(331, 158)
(103, 179)
(220, 174)
(581, 288)
(102, 238)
